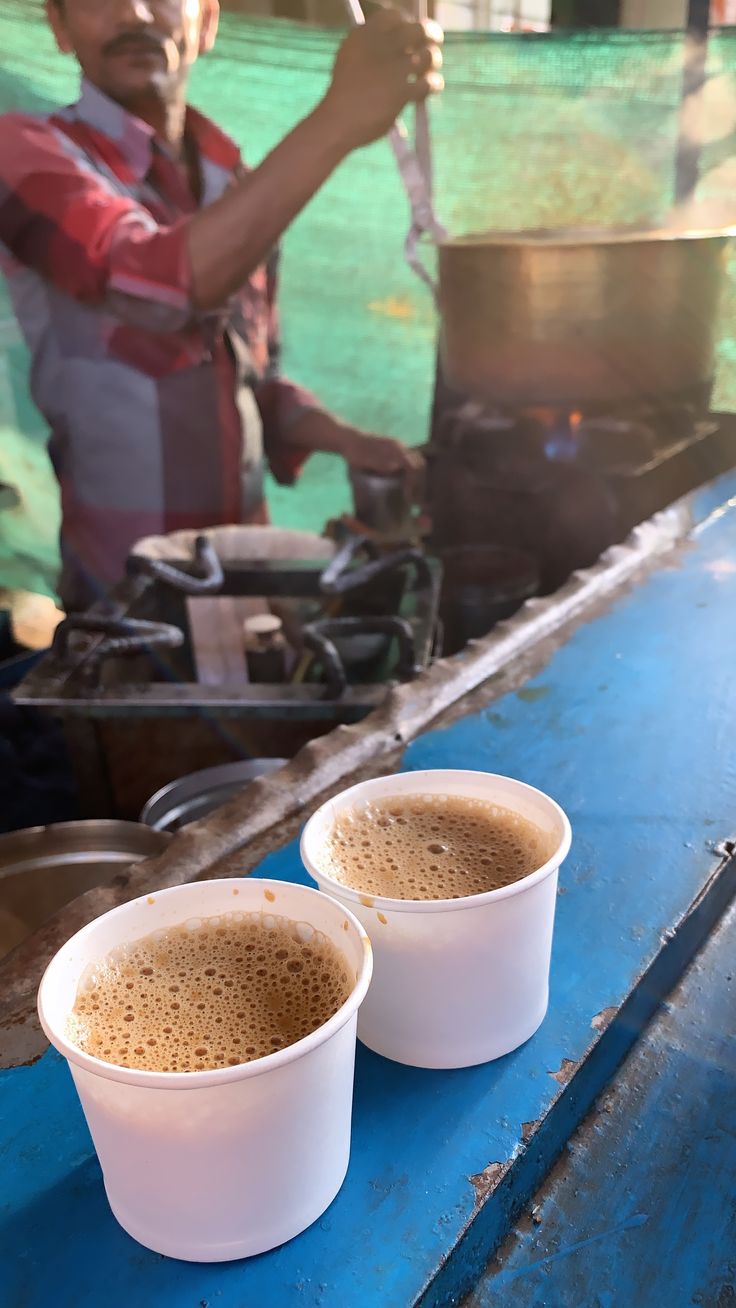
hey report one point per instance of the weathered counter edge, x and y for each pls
(326, 762)
(504, 1188)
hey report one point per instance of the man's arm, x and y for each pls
(295, 425)
(58, 217)
(379, 68)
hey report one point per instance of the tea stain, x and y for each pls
(532, 694)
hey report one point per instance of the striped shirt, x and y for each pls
(160, 416)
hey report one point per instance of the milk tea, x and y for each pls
(433, 847)
(209, 993)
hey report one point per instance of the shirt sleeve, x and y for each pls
(281, 402)
(59, 218)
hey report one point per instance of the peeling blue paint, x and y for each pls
(663, 1145)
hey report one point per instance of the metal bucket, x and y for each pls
(576, 318)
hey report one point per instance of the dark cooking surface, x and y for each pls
(563, 486)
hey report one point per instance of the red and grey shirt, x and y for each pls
(160, 415)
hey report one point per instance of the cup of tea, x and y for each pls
(453, 875)
(210, 1031)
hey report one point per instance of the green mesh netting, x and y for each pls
(570, 128)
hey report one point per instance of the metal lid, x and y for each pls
(201, 792)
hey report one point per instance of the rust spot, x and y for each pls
(28, 1061)
(530, 694)
(603, 1019)
(270, 896)
(15, 1019)
(567, 1070)
(366, 901)
(382, 918)
(22, 1041)
(150, 900)
(527, 1130)
(486, 1181)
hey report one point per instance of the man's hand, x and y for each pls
(381, 454)
(380, 68)
(318, 430)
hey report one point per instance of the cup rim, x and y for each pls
(146, 1079)
(344, 892)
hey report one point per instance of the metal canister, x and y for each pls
(265, 647)
(381, 503)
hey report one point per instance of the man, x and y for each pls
(139, 253)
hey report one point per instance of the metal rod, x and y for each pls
(698, 16)
(421, 119)
(687, 160)
(355, 12)
(416, 174)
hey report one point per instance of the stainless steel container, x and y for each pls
(43, 868)
(576, 317)
(198, 794)
(381, 502)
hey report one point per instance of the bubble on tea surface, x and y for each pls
(432, 847)
(209, 993)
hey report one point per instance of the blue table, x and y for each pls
(630, 727)
(640, 1209)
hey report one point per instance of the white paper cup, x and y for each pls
(220, 1164)
(456, 981)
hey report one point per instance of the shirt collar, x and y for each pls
(134, 139)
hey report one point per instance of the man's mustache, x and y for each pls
(135, 40)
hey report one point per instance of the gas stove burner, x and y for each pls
(346, 628)
(562, 484)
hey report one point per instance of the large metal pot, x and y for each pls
(580, 317)
(43, 868)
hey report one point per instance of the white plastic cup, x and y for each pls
(209, 1166)
(456, 981)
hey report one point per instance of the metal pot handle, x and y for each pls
(319, 638)
(338, 578)
(124, 635)
(208, 579)
(415, 168)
